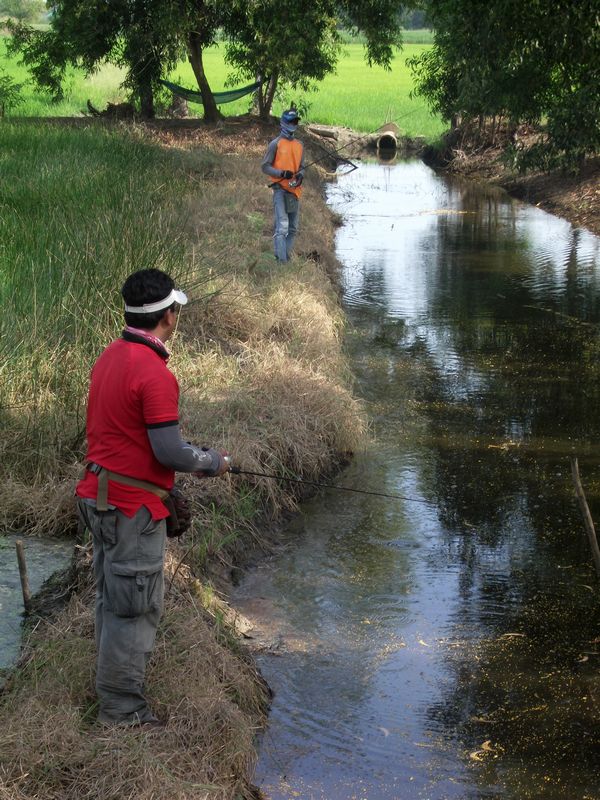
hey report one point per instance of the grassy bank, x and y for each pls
(357, 96)
(259, 362)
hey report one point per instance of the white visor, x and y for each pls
(175, 296)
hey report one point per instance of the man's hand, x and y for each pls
(287, 174)
(221, 457)
(298, 178)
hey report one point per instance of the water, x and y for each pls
(43, 557)
(446, 646)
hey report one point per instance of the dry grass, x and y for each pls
(211, 698)
(258, 355)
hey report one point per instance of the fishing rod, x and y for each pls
(235, 470)
(358, 139)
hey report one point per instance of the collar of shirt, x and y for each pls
(135, 334)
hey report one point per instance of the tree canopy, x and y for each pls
(134, 34)
(525, 60)
(293, 41)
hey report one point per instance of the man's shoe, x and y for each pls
(153, 725)
(148, 721)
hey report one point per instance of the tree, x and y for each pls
(146, 37)
(295, 42)
(23, 10)
(201, 22)
(289, 40)
(524, 60)
(10, 93)
(134, 34)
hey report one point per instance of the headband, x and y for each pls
(174, 296)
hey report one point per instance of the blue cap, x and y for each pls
(290, 116)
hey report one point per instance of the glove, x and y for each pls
(218, 456)
(287, 174)
(298, 178)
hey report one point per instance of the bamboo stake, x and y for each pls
(587, 517)
(23, 575)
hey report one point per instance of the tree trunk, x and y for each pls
(146, 100)
(257, 98)
(211, 112)
(266, 95)
(141, 73)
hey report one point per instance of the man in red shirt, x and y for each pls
(134, 447)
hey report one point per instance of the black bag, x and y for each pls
(180, 513)
(291, 203)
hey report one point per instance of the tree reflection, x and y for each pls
(496, 376)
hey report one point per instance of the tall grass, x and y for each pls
(83, 208)
(356, 96)
(70, 228)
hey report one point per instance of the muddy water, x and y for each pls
(446, 645)
(43, 558)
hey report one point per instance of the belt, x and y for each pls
(105, 475)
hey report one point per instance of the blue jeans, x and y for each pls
(286, 208)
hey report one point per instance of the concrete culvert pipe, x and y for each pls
(387, 136)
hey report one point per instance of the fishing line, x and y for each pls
(235, 470)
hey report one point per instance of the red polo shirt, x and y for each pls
(131, 390)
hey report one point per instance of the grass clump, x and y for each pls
(51, 747)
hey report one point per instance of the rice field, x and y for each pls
(357, 96)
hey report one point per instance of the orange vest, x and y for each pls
(288, 156)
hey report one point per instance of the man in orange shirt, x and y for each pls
(134, 447)
(284, 162)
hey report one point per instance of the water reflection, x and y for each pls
(447, 647)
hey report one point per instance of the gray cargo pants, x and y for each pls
(128, 568)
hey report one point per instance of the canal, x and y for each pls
(446, 645)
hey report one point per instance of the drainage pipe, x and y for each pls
(387, 136)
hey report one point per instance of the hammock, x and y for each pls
(220, 97)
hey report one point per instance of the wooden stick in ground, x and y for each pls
(587, 517)
(23, 575)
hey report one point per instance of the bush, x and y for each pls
(10, 93)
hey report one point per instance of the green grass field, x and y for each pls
(357, 96)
